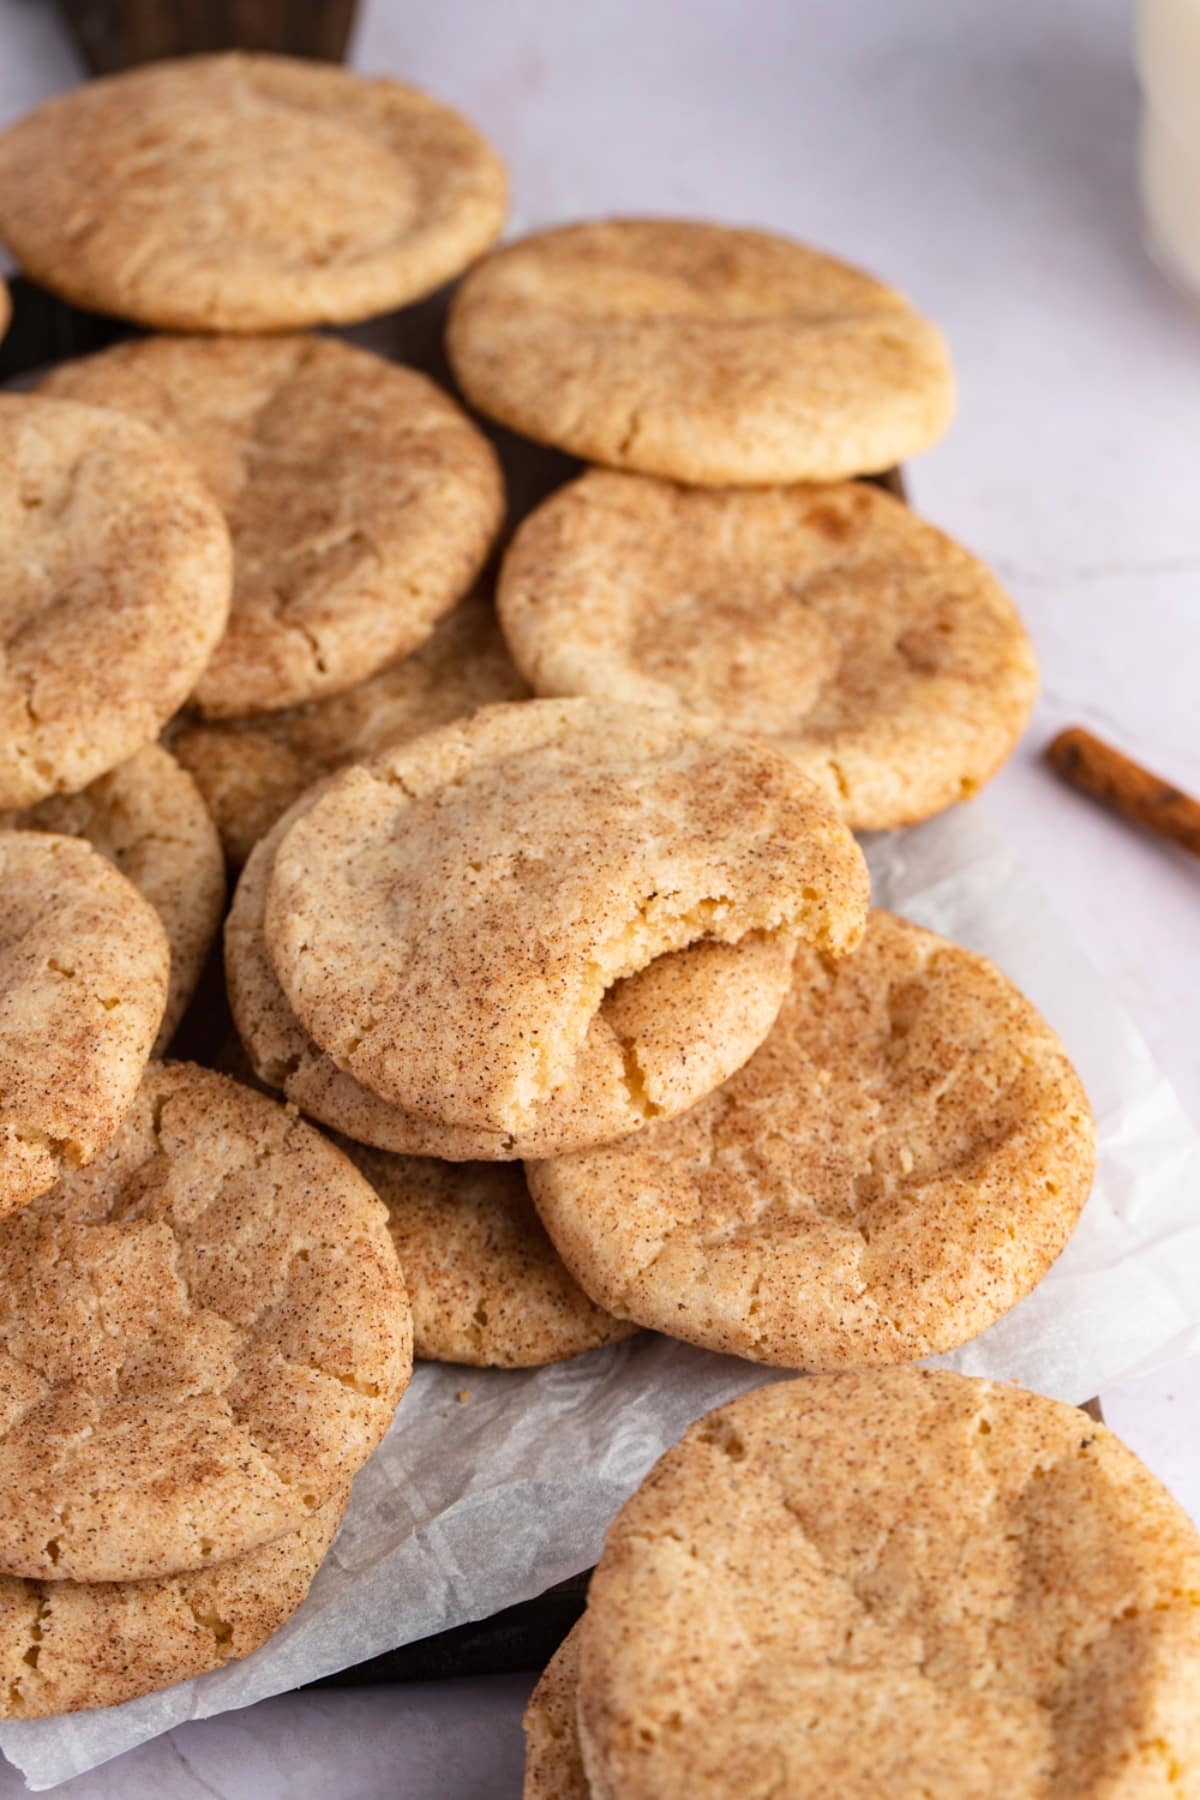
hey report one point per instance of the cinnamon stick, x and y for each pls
(1090, 764)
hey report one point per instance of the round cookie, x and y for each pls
(831, 620)
(892, 1171)
(660, 1040)
(202, 1337)
(699, 352)
(147, 816)
(361, 500)
(446, 920)
(905, 1583)
(487, 1285)
(553, 1760)
(251, 770)
(67, 1646)
(115, 570)
(246, 193)
(83, 983)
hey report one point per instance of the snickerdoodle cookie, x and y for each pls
(487, 1285)
(147, 816)
(83, 984)
(894, 1169)
(66, 1646)
(246, 193)
(905, 1583)
(553, 1760)
(251, 770)
(446, 920)
(702, 353)
(203, 1336)
(361, 500)
(115, 576)
(661, 1039)
(829, 619)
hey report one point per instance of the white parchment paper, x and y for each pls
(471, 1505)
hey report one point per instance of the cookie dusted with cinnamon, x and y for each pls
(832, 620)
(899, 1164)
(68, 1646)
(903, 1583)
(360, 499)
(488, 1287)
(446, 921)
(703, 353)
(251, 770)
(148, 818)
(83, 985)
(553, 1760)
(661, 1039)
(246, 193)
(116, 573)
(203, 1336)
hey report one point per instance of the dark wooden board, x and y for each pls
(45, 330)
(116, 34)
(519, 1640)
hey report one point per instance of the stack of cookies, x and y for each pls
(204, 1333)
(888, 1583)
(204, 1327)
(548, 902)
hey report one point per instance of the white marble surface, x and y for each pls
(983, 158)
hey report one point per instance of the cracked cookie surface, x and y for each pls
(660, 1040)
(487, 1285)
(83, 983)
(905, 1583)
(67, 1646)
(895, 1168)
(699, 352)
(203, 1336)
(361, 500)
(251, 770)
(553, 1759)
(148, 817)
(246, 193)
(115, 572)
(446, 920)
(830, 620)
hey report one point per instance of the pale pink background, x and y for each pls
(982, 157)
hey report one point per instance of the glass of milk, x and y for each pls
(1168, 58)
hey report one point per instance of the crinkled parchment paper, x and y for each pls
(472, 1505)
